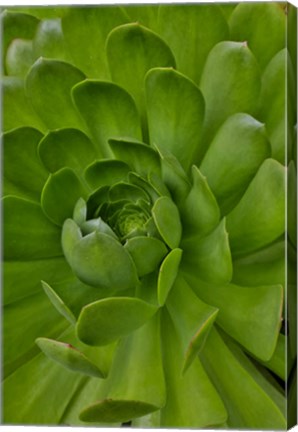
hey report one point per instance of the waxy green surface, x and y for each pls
(144, 215)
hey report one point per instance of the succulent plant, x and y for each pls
(145, 167)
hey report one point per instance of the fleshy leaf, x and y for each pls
(49, 40)
(87, 47)
(58, 303)
(19, 319)
(192, 318)
(18, 110)
(173, 175)
(247, 24)
(259, 218)
(71, 235)
(28, 407)
(80, 212)
(130, 391)
(99, 225)
(48, 86)
(167, 220)
(131, 51)
(251, 401)
(147, 16)
(16, 26)
(292, 203)
(234, 156)
(66, 148)
(107, 320)
(106, 172)
(187, 392)
(69, 357)
(23, 173)
(60, 194)
(167, 274)
(22, 278)
(108, 110)
(27, 233)
(146, 252)
(233, 71)
(200, 212)
(251, 315)
(264, 267)
(209, 257)
(173, 100)
(123, 191)
(19, 57)
(191, 31)
(93, 260)
(278, 103)
(140, 157)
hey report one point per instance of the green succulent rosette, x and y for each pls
(144, 215)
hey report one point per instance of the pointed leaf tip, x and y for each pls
(69, 357)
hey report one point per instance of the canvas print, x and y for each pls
(149, 226)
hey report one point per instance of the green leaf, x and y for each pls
(275, 97)
(69, 357)
(139, 181)
(146, 15)
(60, 194)
(167, 274)
(87, 46)
(233, 158)
(250, 399)
(251, 315)
(48, 86)
(191, 31)
(187, 392)
(173, 100)
(58, 303)
(109, 112)
(19, 318)
(277, 363)
(106, 172)
(264, 267)
(192, 319)
(263, 26)
(130, 392)
(200, 212)
(97, 225)
(23, 173)
(146, 252)
(107, 320)
(173, 175)
(167, 220)
(16, 26)
(259, 218)
(49, 40)
(71, 235)
(66, 148)
(93, 261)
(19, 57)
(131, 51)
(22, 278)
(140, 157)
(292, 203)
(233, 71)
(18, 110)
(27, 233)
(80, 212)
(122, 191)
(28, 407)
(41, 12)
(209, 258)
